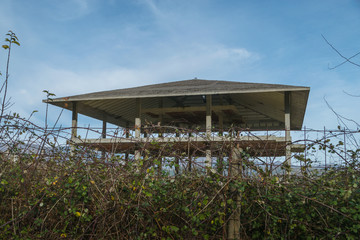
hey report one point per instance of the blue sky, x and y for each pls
(77, 46)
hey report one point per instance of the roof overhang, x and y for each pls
(249, 105)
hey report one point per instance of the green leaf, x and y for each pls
(4, 182)
(174, 228)
(16, 42)
(5, 46)
(186, 209)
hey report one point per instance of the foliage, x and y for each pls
(84, 197)
(48, 193)
(5, 103)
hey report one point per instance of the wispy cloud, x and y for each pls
(153, 8)
(202, 62)
(132, 43)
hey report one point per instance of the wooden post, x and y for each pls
(73, 127)
(235, 172)
(208, 162)
(103, 135)
(287, 129)
(137, 127)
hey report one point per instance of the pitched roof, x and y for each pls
(183, 88)
(253, 105)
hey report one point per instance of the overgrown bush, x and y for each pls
(46, 192)
(82, 196)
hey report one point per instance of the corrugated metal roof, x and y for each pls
(248, 105)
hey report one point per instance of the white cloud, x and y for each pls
(201, 62)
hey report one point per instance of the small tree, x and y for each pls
(5, 102)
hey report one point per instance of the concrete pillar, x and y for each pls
(177, 157)
(137, 127)
(127, 135)
(74, 121)
(103, 135)
(221, 124)
(208, 162)
(160, 118)
(73, 126)
(287, 128)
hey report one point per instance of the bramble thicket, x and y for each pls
(48, 192)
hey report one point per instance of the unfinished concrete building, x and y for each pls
(209, 108)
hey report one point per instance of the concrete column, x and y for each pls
(74, 121)
(103, 135)
(177, 157)
(160, 118)
(220, 159)
(287, 128)
(208, 115)
(138, 118)
(127, 135)
(221, 124)
(208, 162)
(137, 127)
(73, 126)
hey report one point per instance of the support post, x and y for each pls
(138, 118)
(208, 162)
(103, 135)
(73, 127)
(287, 129)
(189, 153)
(137, 127)
(177, 157)
(235, 172)
(221, 124)
(127, 135)
(160, 118)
